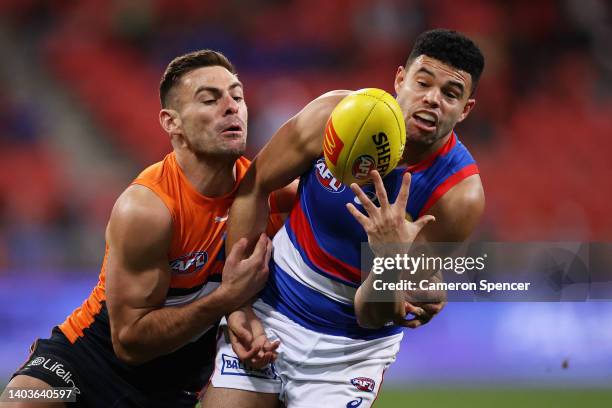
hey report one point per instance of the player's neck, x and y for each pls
(415, 152)
(211, 177)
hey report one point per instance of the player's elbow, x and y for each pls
(127, 350)
(373, 322)
(375, 314)
(367, 322)
(126, 357)
(371, 317)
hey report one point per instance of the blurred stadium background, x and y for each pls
(79, 108)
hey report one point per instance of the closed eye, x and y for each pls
(451, 95)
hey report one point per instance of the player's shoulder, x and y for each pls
(140, 226)
(468, 194)
(458, 211)
(140, 208)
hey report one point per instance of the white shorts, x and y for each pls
(312, 369)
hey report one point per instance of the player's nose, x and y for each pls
(231, 105)
(432, 97)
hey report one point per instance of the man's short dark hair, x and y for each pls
(452, 48)
(186, 63)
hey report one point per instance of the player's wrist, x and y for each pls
(227, 299)
(391, 250)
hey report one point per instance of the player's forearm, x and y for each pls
(248, 217)
(289, 154)
(375, 308)
(163, 330)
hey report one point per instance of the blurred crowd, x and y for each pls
(540, 130)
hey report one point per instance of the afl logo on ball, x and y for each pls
(362, 166)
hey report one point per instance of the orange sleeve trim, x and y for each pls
(275, 220)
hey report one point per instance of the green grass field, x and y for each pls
(507, 398)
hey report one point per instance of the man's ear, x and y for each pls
(170, 121)
(400, 76)
(469, 105)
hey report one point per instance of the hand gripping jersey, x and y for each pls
(315, 270)
(196, 258)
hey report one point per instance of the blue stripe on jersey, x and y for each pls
(308, 261)
(333, 227)
(315, 311)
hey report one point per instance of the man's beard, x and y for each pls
(425, 141)
(220, 151)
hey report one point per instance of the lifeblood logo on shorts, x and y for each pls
(326, 178)
(57, 368)
(37, 361)
(189, 264)
(233, 366)
(362, 166)
(363, 383)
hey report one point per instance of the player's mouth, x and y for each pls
(425, 120)
(234, 129)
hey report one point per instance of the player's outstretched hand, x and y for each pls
(387, 224)
(242, 277)
(249, 340)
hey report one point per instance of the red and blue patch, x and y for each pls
(189, 264)
(363, 384)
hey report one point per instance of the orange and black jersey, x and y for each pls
(195, 257)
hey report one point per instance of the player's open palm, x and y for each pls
(244, 277)
(387, 225)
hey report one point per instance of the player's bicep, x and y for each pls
(295, 145)
(137, 271)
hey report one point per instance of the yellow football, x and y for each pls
(365, 131)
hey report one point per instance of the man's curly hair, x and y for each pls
(451, 48)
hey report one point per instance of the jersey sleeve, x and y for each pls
(276, 218)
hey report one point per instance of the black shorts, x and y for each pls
(98, 378)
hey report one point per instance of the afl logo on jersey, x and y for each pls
(189, 264)
(326, 178)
